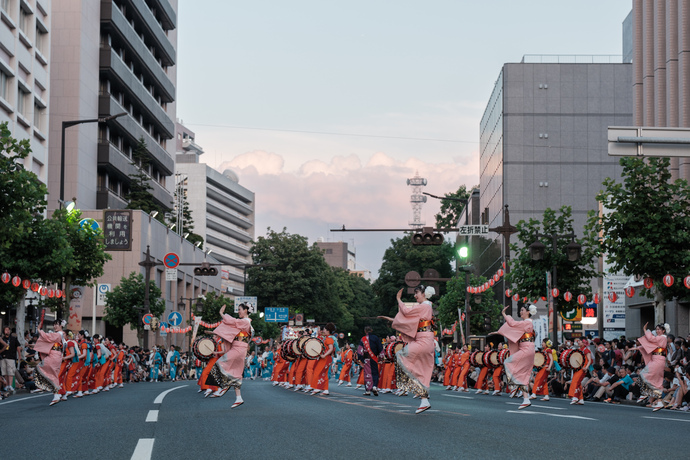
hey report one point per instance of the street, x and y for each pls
(171, 420)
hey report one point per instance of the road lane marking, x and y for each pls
(550, 415)
(543, 407)
(23, 399)
(458, 396)
(670, 419)
(159, 398)
(144, 449)
(152, 416)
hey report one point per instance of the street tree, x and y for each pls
(452, 208)
(528, 277)
(293, 275)
(125, 303)
(646, 227)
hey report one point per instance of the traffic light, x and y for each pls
(427, 236)
(205, 270)
(463, 251)
(487, 323)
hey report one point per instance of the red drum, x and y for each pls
(571, 359)
(203, 348)
(297, 346)
(391, 349)
(312, 348)
(486, 359)
(286, 350)
(503, 355)
(476, 358)
(493, 358)
(541, 359)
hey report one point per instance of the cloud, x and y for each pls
(346, 190)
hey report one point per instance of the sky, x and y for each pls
(325, 108)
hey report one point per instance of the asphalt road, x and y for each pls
(281, 424)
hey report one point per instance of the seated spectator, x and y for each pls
(604, 383)
(27, 375)
(618, 390)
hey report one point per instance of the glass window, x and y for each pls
(41, 40)
(4, 85)
(22, 97)
(38, 117)
(5, 4)
(24, 20)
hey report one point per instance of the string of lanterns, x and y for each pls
(205, 324)
(32, 286)
(176, 330)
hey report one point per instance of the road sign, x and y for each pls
(103, 289)
(276, 315)
(648, 141)
(90, 223)
(171, 260)
(147, 318)
(175, 318)
(171, 274)
(412, 279)
(299, 319)
(250, 301)
(473, 229)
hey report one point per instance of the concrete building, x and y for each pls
(337, 254)
(25, 68)
(543, 141)
(222, 210)
(112, 57)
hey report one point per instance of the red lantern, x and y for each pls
(516, 297)
(568, 296)
(581, 299)
(596, 299)
(542, 298)
(26, 284)
(509, 292)
(630, 291)
(495, 278)
(648, 283)
(668, 280)
(34, 286)
(16, 281)
(504, 265)
(58, 293)
(525, 300)
(500, 272)
(686, 281)
(51, 293)
(613, 296)
(6, 277)
(43, 291)
(468, 289)
(491, 282)
(555, 292)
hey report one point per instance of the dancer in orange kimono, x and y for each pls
(541, 380)
(346, 358)
(461, 383)
(319, 381)
(449, 364)
(482, 386)
(575, 391)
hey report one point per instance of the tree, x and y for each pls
(187, 220)
(295, 275)
(125, 303)
(402, 257)
(646, 227)
(139, 196)
(452, 209)
(528, 277)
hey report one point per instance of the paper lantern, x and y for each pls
(491, 282)
(43, 291)
(581, 299)
(516, 297)
(26, 284)
(6, 277)
(51, 293)
(630, 291)
(34, 286)
(668, 280)
(596, 298)
(555, 292)
(495, 278)
(568, 296)
(686, 281)
(500, 272)
(613, 296)
(16, 281)
(648, 283)
(509, 292)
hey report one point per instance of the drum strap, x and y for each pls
(367, 347)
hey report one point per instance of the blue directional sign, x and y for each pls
(175, 318)
(276, 315)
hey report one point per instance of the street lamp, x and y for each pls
(537, 251)
(67, 124)
(182, 306)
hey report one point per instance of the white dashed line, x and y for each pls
(144, 449)
(670, 419)
(541, 407)
(159, 398)
(458, 396)
(24, 399)
(550, 415)
(152, 416)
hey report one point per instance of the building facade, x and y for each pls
(25, 57)
(222, 211)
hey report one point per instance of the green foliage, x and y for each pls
(455, 298)
(187, 219)
(451, 210)
(647, 231)
(298, 277)
(139, 196)
(528, 277)
(125, 303)
(357, 295)
(400, 258)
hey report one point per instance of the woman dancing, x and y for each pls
(653, 350)
(236, 333)
(49, 345)
(520, 336)
(415, 361)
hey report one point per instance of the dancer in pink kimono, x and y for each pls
(415, 361)
(520, 336)
(653, 350)
(49, 346)
(227, 372)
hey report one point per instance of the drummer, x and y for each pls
(497, 377)
(320, 379)
(575, 391)
(541, 385)
(482, 385)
